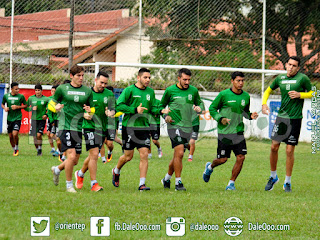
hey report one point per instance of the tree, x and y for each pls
(193, 25)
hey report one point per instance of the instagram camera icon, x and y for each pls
(175, 226)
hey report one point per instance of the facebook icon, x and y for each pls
(100, 226)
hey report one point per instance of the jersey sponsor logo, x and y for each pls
(189, 97)
(136, 96)
(177, 97)
(13, 98)
(148, 97)
(95, 100)
(243, 102)
(76, 93)
(42, 102)
(76, 98)
(289, 81)
(231, 101)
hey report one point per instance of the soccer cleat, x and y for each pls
(231, 187)
(55, 154)
(189, 159)
(271, 183)
(79, 180)
(52, 151)
(109, 157)
(180, 187)
(143, 188)
(55, 176)
(287, 187)
(71, 190)
(159, 153)
(115, 179)
(96, 188)
(61, 158)
(39, 152)
(207, 173)
(16, 153)
(166, 184)
(104, 161)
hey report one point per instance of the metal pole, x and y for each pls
(11, 40)
(140, 29)
(263, 44)
(70, 50)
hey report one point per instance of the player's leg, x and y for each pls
(273, 179)
(143, 167)
(192, 148)
(50, 135)
(70, 162)
(110, 149)
(289, 167)
(235, 171)
(39, 143)
(127, 156)
(92, 165)
(103, 152)
(11, 139)
(110, 137)
(177, 166)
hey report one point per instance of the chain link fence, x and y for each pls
(218, 33)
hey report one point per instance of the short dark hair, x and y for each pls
(38, 86)
(142, 71)
(55, 86)
(296, 59)
(101, 73)
(14, 84)
(185, 71)
(110, 88)
(76, 69)
(236, 74)
(66, 81)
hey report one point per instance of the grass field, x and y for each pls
(27, 190)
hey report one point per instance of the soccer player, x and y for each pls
(182, 99)
(37, 104)
(194, 135)
(136, 102)
(293, 86)
(155, 132)
(52, 127)
(100, 127)
(15, 102)
(228, 109)
(73, 101)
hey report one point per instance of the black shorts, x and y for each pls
(70, 139)
(178, 137)
(13, 126)
(110, 134)
(155, 131)
(195, 132)
(52, 127)
(286, 130)
(37, 126)
(92, 138)
(135, 138)
(225, 146)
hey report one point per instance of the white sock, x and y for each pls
(191, 156)
(149, 155)
(230, 182)
(99, 155)
(39, 147)
(167, 177)
(287, 180)
(53, 149)
(116, 170)
(69, 184)
(58, 151)
(93, 182)
(16, 147)
(104, 159)
(209, 167)
(273, 174)
(159, 149)
(57, 171)
(109, 152)
(142, 181)
(80, 173)
(177, 180)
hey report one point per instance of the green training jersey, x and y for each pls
(51, 115)
(100, 121)
(181, 102)
(18, 99)
(130, 99)
(73, 98)
(291, 108)
(41, 104)
(155, 119)
(232, 106)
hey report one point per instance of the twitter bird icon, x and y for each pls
(40, 226)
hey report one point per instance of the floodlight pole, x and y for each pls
(263, 44)
(11, 40)
(140, 29)
(70, 50)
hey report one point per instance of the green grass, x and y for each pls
(27, 190)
